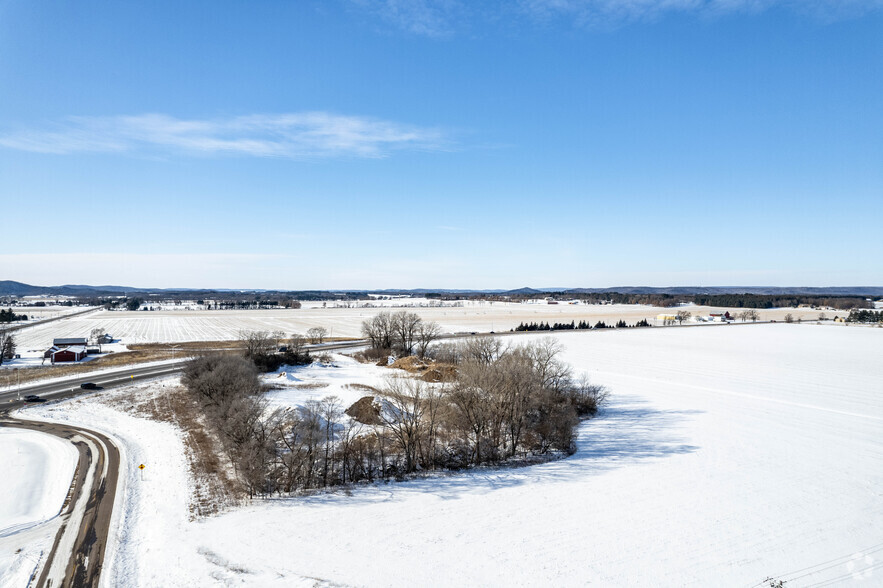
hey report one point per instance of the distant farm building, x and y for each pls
(70, 342)
(720, 317)
(666, 319)
(105, 339)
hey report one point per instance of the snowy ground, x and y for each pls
(725, 456)
(294, 386)
(36, 471)
(173, 326)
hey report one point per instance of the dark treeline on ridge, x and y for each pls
(573, 325)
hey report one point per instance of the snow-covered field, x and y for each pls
(40, 313)
(220, 325)
(726, 455)
(36, 470)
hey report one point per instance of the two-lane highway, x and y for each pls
(59, 389)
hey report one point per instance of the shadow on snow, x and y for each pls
(627, 433)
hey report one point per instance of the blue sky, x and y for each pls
(442, 144)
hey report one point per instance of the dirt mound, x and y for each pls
(410, 364)
(428, 371)
(365, 411)
(439, 373)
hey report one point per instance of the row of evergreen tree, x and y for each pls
(573, 325)
(8, 316)
(865, 316)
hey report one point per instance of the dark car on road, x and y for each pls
(89, 386)
(33, 398)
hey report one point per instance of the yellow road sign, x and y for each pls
(141, 467)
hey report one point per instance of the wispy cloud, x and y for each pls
(436, 18)
(604, 12)
(433, 18)
(302, 135)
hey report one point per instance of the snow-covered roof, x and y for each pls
(72, 349)
(70, 341)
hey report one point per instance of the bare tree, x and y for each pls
(544, 355)
(587, 397)
(317, 334)
(331, 411)
(405, 327)
(683, 315)
(752, 315)
(484, 350)
(297, 343)
(258, 343)
(427, 334)
(433, 407)
(823, 316)
(379, 330)
(97, 335)
(789, 318)
(521, 383)
(7, 345)
(402, 406)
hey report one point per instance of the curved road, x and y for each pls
(77, 554)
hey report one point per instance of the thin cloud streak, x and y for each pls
(607, 12)
(441, 18)
(431, 18)
(293, 136)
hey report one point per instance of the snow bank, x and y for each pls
(36, 471)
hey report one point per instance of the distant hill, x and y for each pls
(13, 288)
(872, 291)
(10, 288)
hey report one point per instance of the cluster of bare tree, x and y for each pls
(403, 333)
(505, 403)
(268, 351)
(317, 335)
(749, 315)
(229, 392)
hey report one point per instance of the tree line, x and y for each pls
(715, 300)
(506, 403)
(865, 316)
(8, 316)
(573, 325)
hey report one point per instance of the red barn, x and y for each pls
(68, 354)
